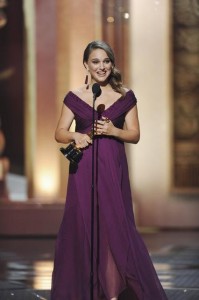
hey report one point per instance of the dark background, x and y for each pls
(11, 84)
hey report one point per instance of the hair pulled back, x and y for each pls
(115, 78)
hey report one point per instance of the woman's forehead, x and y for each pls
(98, 53)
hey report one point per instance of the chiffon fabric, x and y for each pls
(122, 265)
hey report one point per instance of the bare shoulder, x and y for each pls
(78, 91)
(129, 90)
(126, 89)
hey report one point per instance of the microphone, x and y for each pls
(96, 90)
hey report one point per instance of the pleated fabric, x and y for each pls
(122, 265)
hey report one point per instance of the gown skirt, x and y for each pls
(122, 265)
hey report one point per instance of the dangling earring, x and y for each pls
(86, 80)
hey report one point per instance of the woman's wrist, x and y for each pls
(128, 136)
(116, 132)
(72, 135)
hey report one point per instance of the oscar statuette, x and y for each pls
(72, 153)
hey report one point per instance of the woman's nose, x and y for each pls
(101, 65)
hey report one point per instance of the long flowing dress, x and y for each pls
(122, 265)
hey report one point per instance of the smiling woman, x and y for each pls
(121, 266)
(99, 60)
(99, 65)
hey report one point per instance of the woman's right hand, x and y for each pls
(82, 140)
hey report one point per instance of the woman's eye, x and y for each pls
(107, 61)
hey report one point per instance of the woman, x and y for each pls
(122, 266)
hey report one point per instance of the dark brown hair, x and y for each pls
(115, 78)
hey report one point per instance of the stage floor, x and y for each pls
(26, 264)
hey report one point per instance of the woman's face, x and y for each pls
(99, 66)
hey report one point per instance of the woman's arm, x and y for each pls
(129, 134)
(62, 133)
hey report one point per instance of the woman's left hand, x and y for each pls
(104, 127)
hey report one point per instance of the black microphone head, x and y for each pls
(96, 89)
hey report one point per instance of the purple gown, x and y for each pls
(122, 265)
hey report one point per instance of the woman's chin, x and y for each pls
(102, 81)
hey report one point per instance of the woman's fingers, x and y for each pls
(83, 141)
(102, 127)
